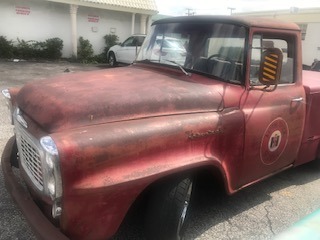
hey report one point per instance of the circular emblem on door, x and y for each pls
(274, 141)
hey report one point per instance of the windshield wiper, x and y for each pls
(148, 60)
(180, 66)
(170, 61)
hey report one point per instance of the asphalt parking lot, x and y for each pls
(258, 212)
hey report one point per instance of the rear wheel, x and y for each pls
(168, 208)
(112, 60)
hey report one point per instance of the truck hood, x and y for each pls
(97, 97)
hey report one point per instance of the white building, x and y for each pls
(69, 19)
(309, 22)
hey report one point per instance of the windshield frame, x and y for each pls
(165, 29)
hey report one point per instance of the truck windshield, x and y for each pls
(212, 49)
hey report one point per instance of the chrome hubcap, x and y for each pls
(184, 212)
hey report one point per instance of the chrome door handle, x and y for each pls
(300, 99)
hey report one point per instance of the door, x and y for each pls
(129, 49)
(274, 117)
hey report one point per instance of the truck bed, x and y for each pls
(311, 134)
(311, 81)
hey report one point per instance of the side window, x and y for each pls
(128, 42)
(260, 43)
(139, 40)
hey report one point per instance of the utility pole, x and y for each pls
(231, 10)
(190, 12)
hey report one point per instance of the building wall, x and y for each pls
(311, 17)
(39, 20)
(94, 24)
(311, 44)
(33, 20)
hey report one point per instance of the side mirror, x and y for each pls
(270, 67)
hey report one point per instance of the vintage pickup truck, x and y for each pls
(235, 103)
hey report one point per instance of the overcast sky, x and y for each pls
(180, 7)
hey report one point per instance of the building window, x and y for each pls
(303, 27)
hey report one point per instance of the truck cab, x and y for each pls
(227, 97)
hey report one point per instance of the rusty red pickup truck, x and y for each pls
(227, 96)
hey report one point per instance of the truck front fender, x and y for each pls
(105, 167)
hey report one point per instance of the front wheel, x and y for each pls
(112, 60)
(168, 208)
(14, 158)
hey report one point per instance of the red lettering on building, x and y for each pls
(22, 10)
(93, 18)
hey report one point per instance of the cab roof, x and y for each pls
(237, 20)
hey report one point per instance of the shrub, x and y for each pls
(6, 48)
(49, 49)
(52, 48)
(100, 58)
(23, 49)
(110, 40)
(85, 50)
(37, 49)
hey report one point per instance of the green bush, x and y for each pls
(37, 49)
(6, 48)
(110, 40)
(85, 50)
(49, 49)
(52, 48)
(24, 49)
(100, 58)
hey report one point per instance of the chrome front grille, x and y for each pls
(30, 157)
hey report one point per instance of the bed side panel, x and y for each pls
(309, 149)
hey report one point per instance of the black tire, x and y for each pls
(14, 158)
(112, 60)
(167, 209)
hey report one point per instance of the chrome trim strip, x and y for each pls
(20, 118)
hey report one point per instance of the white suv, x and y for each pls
(126, 52)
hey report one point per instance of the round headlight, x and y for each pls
(52, 177)
(48, 144)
